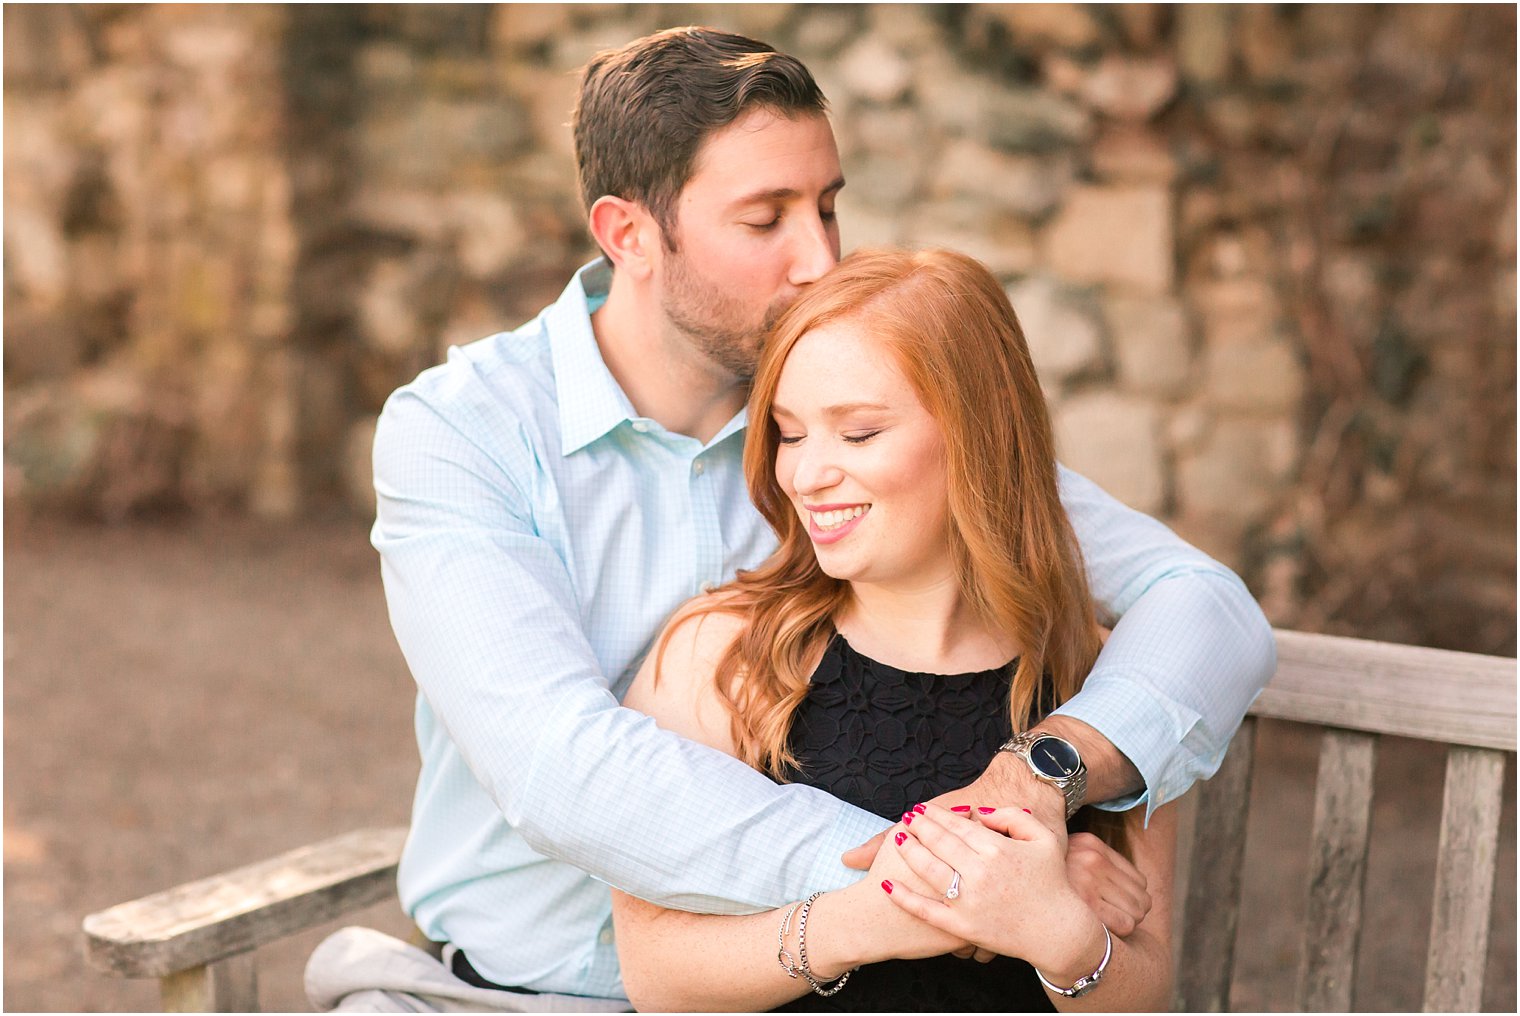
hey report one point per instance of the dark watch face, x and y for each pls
(1054, 758)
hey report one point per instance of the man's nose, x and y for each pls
(816, 251)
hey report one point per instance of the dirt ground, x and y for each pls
(180, 700)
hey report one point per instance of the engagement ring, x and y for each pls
(955, 885)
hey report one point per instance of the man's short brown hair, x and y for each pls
(645, 109)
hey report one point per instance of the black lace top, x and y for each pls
(884, 739)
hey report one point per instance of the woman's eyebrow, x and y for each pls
(837, 410)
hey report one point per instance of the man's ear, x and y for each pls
(627, 234)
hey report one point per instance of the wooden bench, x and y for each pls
(199, 939)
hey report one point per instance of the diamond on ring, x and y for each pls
(955, 886)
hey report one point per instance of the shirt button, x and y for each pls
(697, 468)
(708, 587)
(641, 426)
(606, 936)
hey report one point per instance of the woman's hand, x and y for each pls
(1015, 898)
(894, 934)
(1108, 883)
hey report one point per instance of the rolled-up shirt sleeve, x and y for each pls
(1189, 653)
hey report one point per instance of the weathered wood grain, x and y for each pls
(230, 985)
(1337, 871)
(205, 921)
(1207, 954)
(1464, 880)
(1434, 694)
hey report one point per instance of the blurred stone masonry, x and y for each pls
(1264, 256)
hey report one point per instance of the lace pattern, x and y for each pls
(884, 739)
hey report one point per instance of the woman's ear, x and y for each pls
(627, 234)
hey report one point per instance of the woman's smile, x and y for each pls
(829, 523)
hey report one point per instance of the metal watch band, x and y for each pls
(1073, 788)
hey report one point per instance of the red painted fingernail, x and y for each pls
(1026, 811)
(986, 811)
(887, 886)
(961, 807)
(920, 808)
(898, 839)
(908, 817)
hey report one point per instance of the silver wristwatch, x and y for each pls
(1053, 760)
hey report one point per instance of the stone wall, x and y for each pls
(149, 249)
(1265, 255)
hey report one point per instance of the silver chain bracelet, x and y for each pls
(807, 971)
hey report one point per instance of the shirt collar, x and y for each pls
(590, 401)
(734, 426)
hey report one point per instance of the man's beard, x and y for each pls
(714, 321)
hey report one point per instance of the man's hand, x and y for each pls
(1008, 783)
(862, 857)
(1112, 887)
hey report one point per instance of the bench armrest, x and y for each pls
(201, 923)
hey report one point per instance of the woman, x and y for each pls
(927, 599)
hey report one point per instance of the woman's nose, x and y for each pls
(815, 471)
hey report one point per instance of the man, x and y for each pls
(548, 497)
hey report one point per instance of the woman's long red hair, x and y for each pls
(949, 327)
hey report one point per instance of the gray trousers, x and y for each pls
(363, 970)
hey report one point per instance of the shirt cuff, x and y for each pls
(852, 827)
(1149, 731)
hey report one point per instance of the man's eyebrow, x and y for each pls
(784, 194)
(842, 409)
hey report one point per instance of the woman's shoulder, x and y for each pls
(704, 627)
(676, 683)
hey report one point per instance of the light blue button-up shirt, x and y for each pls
(535, 532)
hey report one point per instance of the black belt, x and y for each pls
(471, 976)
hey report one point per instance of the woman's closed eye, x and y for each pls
(792, 439)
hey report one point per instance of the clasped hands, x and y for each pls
(1026, 886)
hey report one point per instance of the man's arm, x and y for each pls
(487, 619)
(1189, 653)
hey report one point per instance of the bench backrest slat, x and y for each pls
(1212, 909)
(1464, 880)
(1337, 870)
(1411, 691)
